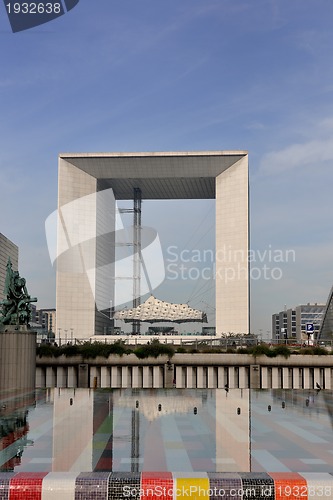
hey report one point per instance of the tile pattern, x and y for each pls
(5, 477)
(59, 485)
(227, 485)
(122, 483)
(156, 484)
(289, 485)
(26, 486)
(319, 485)
(257, 485)
(191, 485)
(165, 486)
(92, 486)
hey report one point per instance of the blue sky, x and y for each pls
(144, 75)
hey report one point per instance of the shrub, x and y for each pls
(87, 350)
(154, 350)
(306, 350)
(282, 350)
(119, 348)
(319, 351)
(47, 350)
(244, 350)
(92, 350)
(261, 350)
(69, 350)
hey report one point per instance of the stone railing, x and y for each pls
(187, 371)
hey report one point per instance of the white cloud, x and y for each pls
(297, 155)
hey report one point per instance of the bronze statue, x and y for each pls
(16, 307)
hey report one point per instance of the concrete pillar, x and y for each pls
(243, 378)
(115, 377)
(61, 376)
(269, 377)
(40, 377)
(296, 384)
(94, 382)
(231, 377)
(328, 378)
(50, 376)
(306, 378)
(212, 377)
(71, 377)
(158, 377)
(200, 377)
(255, 376)
(180, 378)
(275, 378)
(190, 378)
(221, 378)
(147, 377)
(166, 377)
(264, 377)
(301, 378)
(105, 376)
(126, 377)
(316, 377)
(285, 378)
(135, 377)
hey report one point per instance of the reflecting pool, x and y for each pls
(134, 430)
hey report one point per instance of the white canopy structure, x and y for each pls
(154, 310)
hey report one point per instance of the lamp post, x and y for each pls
(59, 330)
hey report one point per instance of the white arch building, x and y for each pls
(86, 224)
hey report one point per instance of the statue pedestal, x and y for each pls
(17, 359)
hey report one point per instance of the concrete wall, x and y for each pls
(17, 361)
(188, 371)
(232, 243)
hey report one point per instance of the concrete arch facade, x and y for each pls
(86, 227)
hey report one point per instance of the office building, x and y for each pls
(292, 323)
